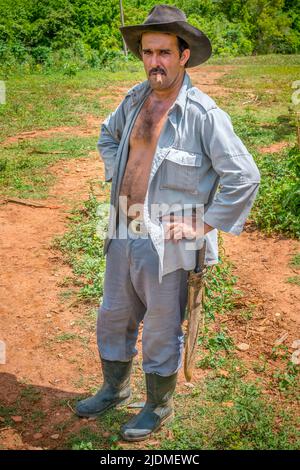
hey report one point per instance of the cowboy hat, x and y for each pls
(168, 19)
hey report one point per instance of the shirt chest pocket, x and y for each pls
(182, 171)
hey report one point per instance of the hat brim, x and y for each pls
(199, 44)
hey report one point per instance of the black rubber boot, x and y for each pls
(158, 409)
(114, 391)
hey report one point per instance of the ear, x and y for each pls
(185, 56)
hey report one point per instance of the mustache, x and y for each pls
(157, 70)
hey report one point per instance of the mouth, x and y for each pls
(158, 74)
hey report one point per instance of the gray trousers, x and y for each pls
(132, 294)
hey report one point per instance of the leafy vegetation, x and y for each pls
(263, 116)
(75, 34)
(83, 246)
(278, 203)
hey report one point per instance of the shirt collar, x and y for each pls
(181, 97)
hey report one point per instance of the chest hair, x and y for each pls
(149, 123)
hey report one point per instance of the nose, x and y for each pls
(154, 60)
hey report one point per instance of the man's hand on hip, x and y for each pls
(178, 228)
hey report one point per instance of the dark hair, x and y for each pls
(182, 45)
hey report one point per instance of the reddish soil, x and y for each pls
(89, 127)
(274, 148)
(34, 315)
(262, 264)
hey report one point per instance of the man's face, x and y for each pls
(162, 61)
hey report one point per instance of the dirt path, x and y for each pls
(262, 265)
(35, 319)
(33, 315)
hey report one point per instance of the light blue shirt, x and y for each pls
(199, 160)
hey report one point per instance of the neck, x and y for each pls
(171, 92)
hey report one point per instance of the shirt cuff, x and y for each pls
(235, 229)
(108, 174)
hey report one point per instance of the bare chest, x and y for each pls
(148, 126)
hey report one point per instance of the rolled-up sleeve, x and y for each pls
(110, 136)
(239, 175)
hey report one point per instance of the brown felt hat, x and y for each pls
(168, 19)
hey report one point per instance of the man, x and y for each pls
(167, 144)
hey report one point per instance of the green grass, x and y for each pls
(295, 261)
(228, 413)
(30, 394)
(220, 286)
(24, 166)
(89, 439)
(269, 78)
(38, 416)
(294, 280)
(277, 206)
(259, 60)
(266, 81)
(83, 247)
(287, 380)
(6, 412)
(268, 119)
(65, 337)
(41, 101)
